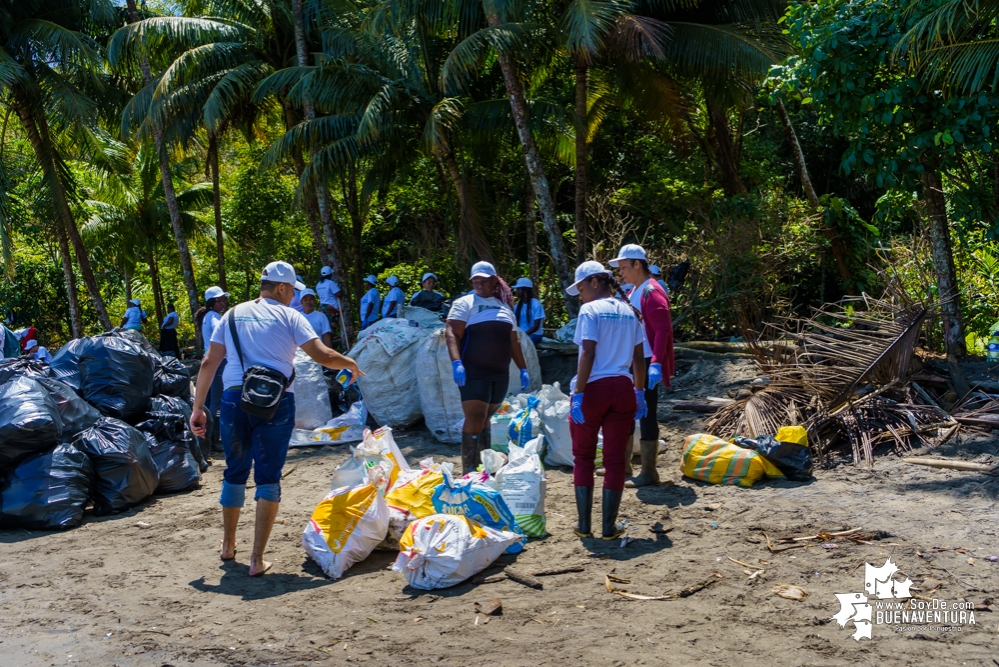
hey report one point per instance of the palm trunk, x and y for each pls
(837, 245)
(169, 193)
(154, 275)
(531, 214)
(470, 228)
(213, 159)
(943, 261)
(582, 132)
(41, 143)
(725, 158)
(322, 196)
(128, 285)
(532, 159)
(75, 317)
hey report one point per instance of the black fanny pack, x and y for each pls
(263, 387)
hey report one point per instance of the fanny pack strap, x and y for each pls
(239, 348)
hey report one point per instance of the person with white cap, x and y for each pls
(395, 298)
(168, 333)
(652, 301)
(134, 317)
(529, 311)
(482, 339)
(32, 350)
(427, 297)
(320, 323)
(296, 301)
(370, 302)
(657, 275)
(259, 339)
(205, 321)
(326, 292)
(605, 393)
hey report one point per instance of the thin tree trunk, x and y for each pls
(943, 260)
(75, 317)
(311, 210)
(582, 131)
(531, 214)
(154, 275)
(128, 285)
(532, 159)
(169, 193)
(728, 167)
(213, 158)
(837, 245)
(469, 225)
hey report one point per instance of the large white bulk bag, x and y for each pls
(312, 396)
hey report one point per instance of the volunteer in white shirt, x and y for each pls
(134, 317)
(657, 273)
(529, 311)
(269, 334)
(427, 297)
(296, 301)
(604, 393)
(35, 351)
(168, 333)
(320, 323)
(327, 291)
(208, 318)
(395, 298)
(370, 302)
(482, 339)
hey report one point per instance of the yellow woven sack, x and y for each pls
(416, 495)
(713, 460)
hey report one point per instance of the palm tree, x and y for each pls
(47, 64)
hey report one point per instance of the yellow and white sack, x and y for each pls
(412, 498)
(446, 549)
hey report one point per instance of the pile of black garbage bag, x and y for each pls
(105, 425)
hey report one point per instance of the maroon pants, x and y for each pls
(608, 403)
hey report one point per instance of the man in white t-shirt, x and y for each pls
(395, 298)
(320, 323)
(269, 335)
(134, 317)
(33, 350)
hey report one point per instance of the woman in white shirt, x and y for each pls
(482, 339)
(370, 302)
(205, 320)
(168, 333)
(604, 392)
(529, 311)
(134, 317)
(395, 298)
(320, 323)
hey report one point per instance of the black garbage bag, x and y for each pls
(22, 366)
(116, 377)
(792, 459)
(29, 421)
(172, 444)
(65, 363)
(137, 338)
(76, 413)
(126, 471)
(200, 447)
(171, 378)
(48, 491)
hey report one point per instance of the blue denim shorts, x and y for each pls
(252, 442)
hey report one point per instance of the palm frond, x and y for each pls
(168, 33)
(467, 59)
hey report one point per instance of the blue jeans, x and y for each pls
(251, 442)
(214, 401)
(535, 337)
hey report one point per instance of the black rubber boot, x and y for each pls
(469, 452)
(486, 438)
(649, 475)
(584, 510)
(611, 503)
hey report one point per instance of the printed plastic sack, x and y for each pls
(788, 450)
(348, 427)
(479, 503)
(22, 366)
(710, 459)
(554, 412)
(29, 421)
(377, 449)
(65, 364)
(116, 377)
(444, 550)
(76, 414)
(48, 491)
(346, 527)
(526, 424)
(170, 443)
(171, 378)
(499, 431)
(126, 471)
(523, 486)
(412, 498)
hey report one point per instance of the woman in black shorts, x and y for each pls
(482, 338)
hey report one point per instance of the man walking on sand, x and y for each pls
(266, 334)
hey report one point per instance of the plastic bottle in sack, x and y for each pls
(993, 350)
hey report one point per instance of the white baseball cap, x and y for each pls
(584, 271)
(307, 292)
(630, 251)
(428, 275)
(655, 270)
(214, 292)
(523, 282)
(326, 271)
(30, 345)
(483, 270)
(371, 279)
(392, 280)
(281, 272)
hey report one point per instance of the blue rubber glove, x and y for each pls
(576, 413)
(459, 372)
(525, 379)
(655, 376)
(642, 410)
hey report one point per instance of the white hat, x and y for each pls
(326, 271)
(655, 270)
(392, 280)
(483, 270)
(214, 292)
(523, 282)
(307, 292)
(371, 279)
(30, 345)
(428, 275)
(281, 272)
(584, 271)
(630, 251)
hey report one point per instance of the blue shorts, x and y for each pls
(251, 442)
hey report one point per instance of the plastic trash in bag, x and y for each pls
(29, 421)
(480, 503)
(312, 393)
(172, 404)
(48, 491)
(171, 444)
(567, 333)
(126, 471)
(526, 424)
(348, 427)
(201, 448)
(76, 413)
(377, 449)
(446, 549)
(788, 450)
(716, 461)
(116, 377)
(22, 366)
(554, 411)
(171, 378)
(65, 363)
(523, 486)
(346, 526)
